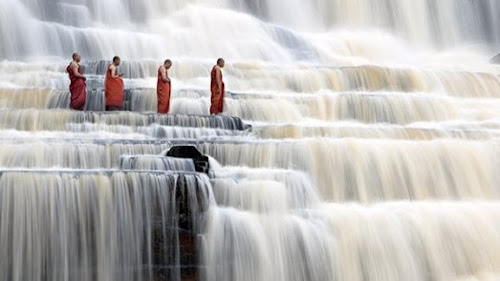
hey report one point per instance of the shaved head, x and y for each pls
(116, 60)
(167, 64)
(221, 62)
(76, 57)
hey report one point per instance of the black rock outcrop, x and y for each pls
(201, 162)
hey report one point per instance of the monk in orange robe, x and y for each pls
(163, 88)
(217, 88)
(78, 87)
(113, 86)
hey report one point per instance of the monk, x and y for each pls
(217, 88)
(163, 88)
(78, 87)
(113, 86)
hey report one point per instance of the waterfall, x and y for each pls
(360, 141)
(95, 226)
(60, 27)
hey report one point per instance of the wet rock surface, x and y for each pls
(495, 59)
(190, 152)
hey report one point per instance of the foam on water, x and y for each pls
(372, 155)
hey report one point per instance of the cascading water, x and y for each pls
(373, 152)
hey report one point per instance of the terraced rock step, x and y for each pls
(178, 158)
(324, 106)
(156, 163)
(495, 59)
(38, 120)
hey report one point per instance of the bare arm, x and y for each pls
(164, 75)
(74, 67)
(114, 73)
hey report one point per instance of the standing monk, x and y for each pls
(163, 88)
(217, 88)
(113, 86)
(77, 88)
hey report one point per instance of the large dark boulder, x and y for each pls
(495, 59)
(201, 163)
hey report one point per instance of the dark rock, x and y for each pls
(175, 239)
(495, 59)
(201, 163)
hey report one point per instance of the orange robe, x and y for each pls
(217, 98)
(163, 90)
(113, 88)
(77, 88)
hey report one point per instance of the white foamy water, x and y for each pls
(373, 151)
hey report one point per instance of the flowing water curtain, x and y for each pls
(376, 170)
(341, 170)
(156, 163)
(58, 120)
(422, 21)
(387, 242)
(104, 226)
(363, 134)
(53, 24)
